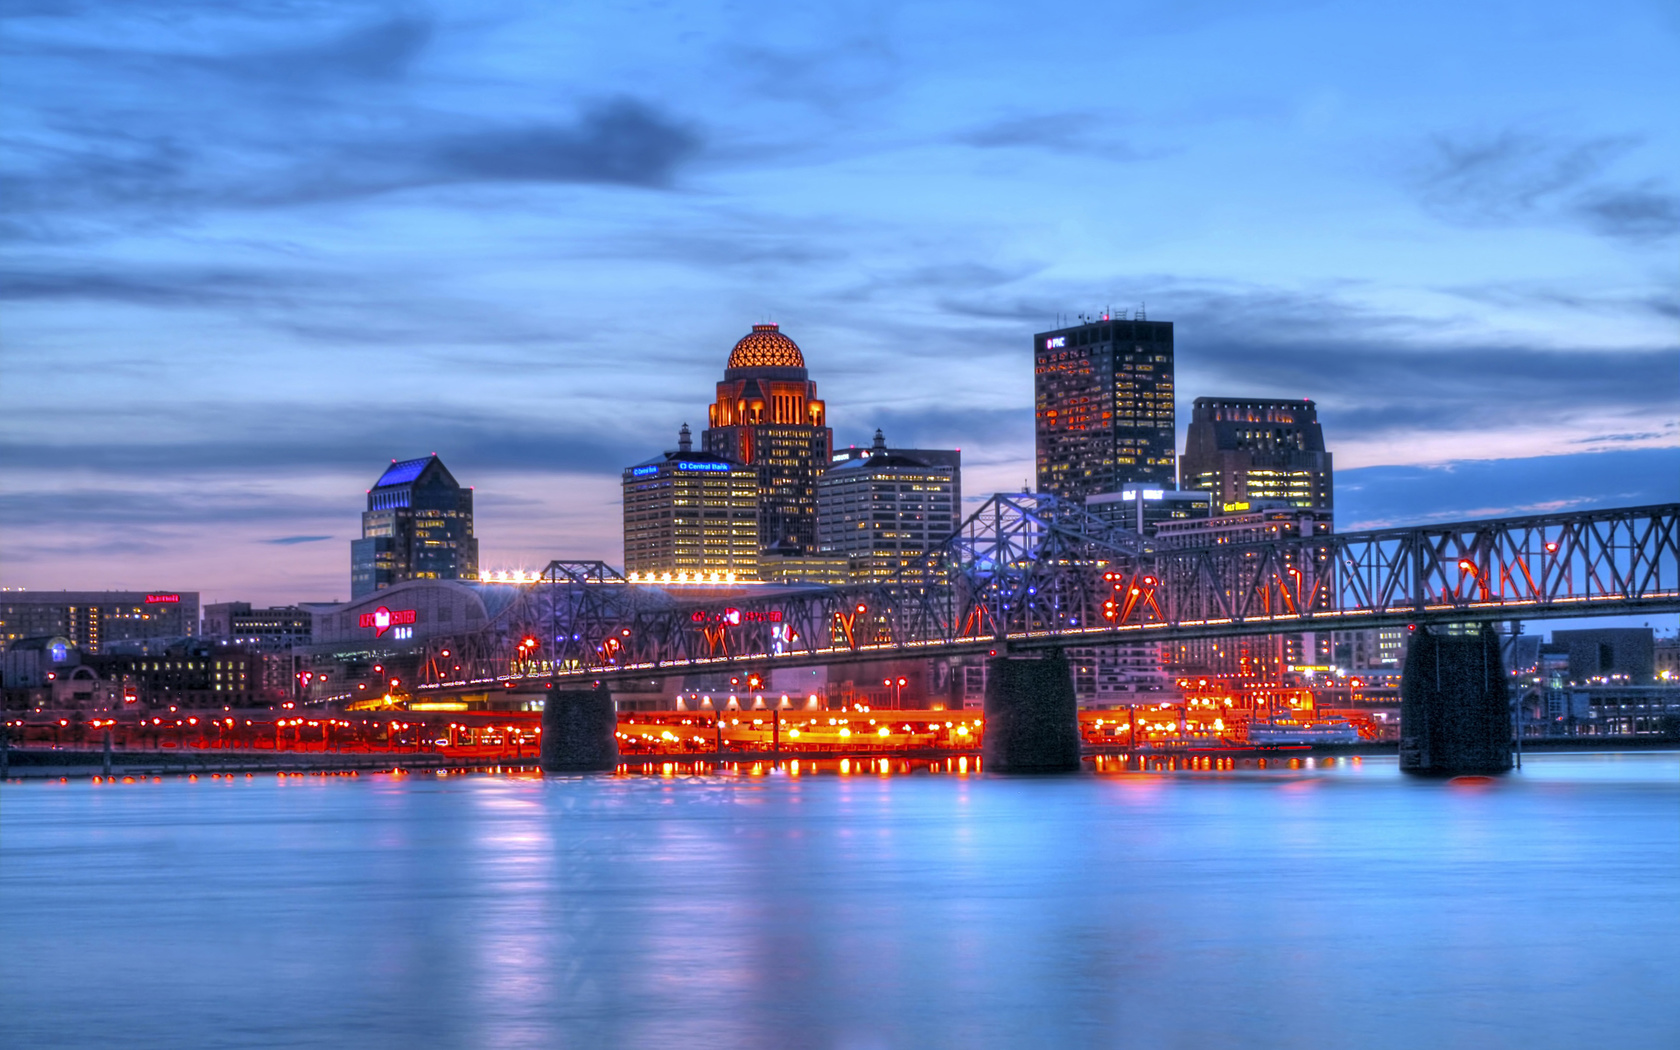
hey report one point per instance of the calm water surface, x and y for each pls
(1329, 907)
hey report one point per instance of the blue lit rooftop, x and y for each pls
(402, 473)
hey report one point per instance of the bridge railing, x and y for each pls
(1030, 569)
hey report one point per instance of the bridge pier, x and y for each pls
(1455, 717)
(580, 732)
(1032, 717)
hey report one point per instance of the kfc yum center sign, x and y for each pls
(383, 619)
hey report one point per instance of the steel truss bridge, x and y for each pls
(1029, 570)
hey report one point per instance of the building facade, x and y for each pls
(884, 510)
(1103, 406)
(767, 416)
(93, 619)
(933, 457)
(691, 515)
(1251, 453)
(418, 526)
(1141, 509)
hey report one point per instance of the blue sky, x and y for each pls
(253, 251)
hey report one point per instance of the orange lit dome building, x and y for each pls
(767, 416)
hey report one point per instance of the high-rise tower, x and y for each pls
(418, 526)
(1253, 452)
(691, 515)
(767, 416)
(1103, 401)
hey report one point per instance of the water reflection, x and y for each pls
(1168, 900)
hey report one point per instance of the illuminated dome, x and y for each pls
(766, 347)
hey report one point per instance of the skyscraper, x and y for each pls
(1254, 452)
(418, 526)
(885, 508)
(767, 417)
(1103, 402)
(689, 515)
(933, 457)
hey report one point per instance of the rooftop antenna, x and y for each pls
(1140, 313)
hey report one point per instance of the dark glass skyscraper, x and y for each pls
(418, 526)
(768, 417)
(1254, 452)
(1103, 402)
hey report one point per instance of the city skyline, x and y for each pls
(225, 301)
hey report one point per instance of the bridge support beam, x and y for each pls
(1455, 717)
(580, 732)
(1032, 717)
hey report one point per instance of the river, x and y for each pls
(1335, 905)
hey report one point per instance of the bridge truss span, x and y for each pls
(1029, 570)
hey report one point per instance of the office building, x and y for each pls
(1140, 509)
(269, 630)
(418, 526)
(691, 515)
(1103, 406)
(94, 619)
(767, 417)
(933, 457)
(884, 510)
(1608, 654)
(1253, 453)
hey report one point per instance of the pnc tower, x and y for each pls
(767, 417)
(1103, 406)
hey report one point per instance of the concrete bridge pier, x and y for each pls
(580, 732)
(1455, 717)
(1032, 717)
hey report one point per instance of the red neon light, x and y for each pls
(383, 619)
(154, 599)
(733, 617)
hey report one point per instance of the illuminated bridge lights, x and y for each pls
(1030, 570)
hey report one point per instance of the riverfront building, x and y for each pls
(1251, 453)
(767, 417)
(1103, 406)
(691, 515)
(884, 509)
(92, 620)
(418, 526)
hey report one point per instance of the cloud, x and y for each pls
(288, 541)
(280, 439)
(1510, 177)
(1633, 213)
(1378, 497)
(1086, 134)
(621, 141)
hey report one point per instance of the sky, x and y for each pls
(252, 251)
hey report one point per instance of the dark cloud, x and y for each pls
(288, 541)
(1633, 213)
(1086, 134)
(1515, 176)
(151, 285)
(1374, 497)
(623, 141)
(137, 132)
(1523, 296)
(278, 439)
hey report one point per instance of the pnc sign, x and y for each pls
(383, 619)
(1055, 342)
